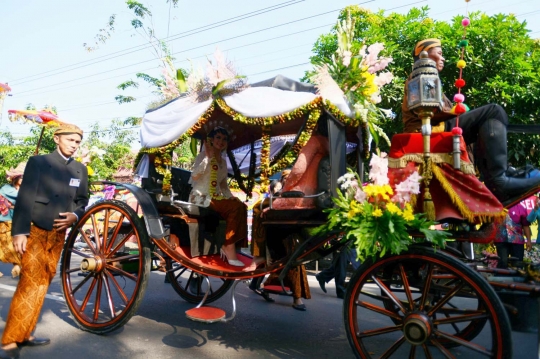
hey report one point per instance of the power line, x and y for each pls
(232, 48)
(173, 37)
(196, 47)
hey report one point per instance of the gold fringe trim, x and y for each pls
(456, 200)
(467, 168)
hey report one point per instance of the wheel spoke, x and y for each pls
(109, 295)
(385, 330)
(123, 258)
(442, 349)
(122, 272)
(445, 299)
(87, 240)
(71, 270)
(461, 318)
(189, 281)
(426, 351)
(98, 298)
(477, 348)
(82, 254)
(179, 274)
(115, 233)
(412, 352)
(81, 283)
(106, 227)
(88, 294)
(405, 282)
(425, 290)
(119, 245)
(393, 348)
(97, 236)
(117, 286)
(389, 293)
(379, 310)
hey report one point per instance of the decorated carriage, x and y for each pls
(412, 296)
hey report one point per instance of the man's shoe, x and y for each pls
(340, 295)
(322, 283)
(9, 353)
(35, 342)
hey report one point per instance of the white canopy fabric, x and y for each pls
(267, 101)
(165, 124)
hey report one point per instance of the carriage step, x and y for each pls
(206, 314)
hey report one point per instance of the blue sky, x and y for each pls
(43, 59)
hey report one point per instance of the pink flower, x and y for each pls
(383, 78)
(360, 196)
(379, 169)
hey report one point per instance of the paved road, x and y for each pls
(160, 329)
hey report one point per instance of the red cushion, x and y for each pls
(442, 142)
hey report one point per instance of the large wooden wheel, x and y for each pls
(192, 286)
(105, 267)
(432, 305)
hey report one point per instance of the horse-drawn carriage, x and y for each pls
(426, 300)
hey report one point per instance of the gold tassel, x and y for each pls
(428, 205)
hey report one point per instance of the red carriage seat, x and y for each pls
(456, 194)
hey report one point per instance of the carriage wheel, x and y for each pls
(192, 286)
(104, 277)
(441, 284)
(429, 317)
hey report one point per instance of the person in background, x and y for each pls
(515, 231)
(210, 189)
(535, 215)
(258, 232)
(8, 198)
(338, 270)
(53, 195)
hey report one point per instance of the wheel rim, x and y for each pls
(427, 319)
(192, 286)
(103, 282)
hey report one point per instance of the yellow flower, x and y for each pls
(393, 208)
(369, 83)
(377, 213)
(90, 170)
(355, 209)
(408, 214)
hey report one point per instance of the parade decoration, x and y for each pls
(377, 218)
(459, 99)
(349, 86)
(4, 90)
(358, 76)
(44, 118)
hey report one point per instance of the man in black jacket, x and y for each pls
(52, 197)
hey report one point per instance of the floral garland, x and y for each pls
(353, 122)
(265, 158)
(163, 160)
(292, 154)
(272, 120)
(213, 180)
(163, 165)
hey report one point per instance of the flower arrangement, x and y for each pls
(378, 218)
(356, 75)
(87, 155)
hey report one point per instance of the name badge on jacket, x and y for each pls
(75, 182)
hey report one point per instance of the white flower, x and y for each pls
(346, 58)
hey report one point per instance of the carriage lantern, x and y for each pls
(424, 94)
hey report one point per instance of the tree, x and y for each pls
(503, 63)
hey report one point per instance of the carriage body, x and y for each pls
(413, 290)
